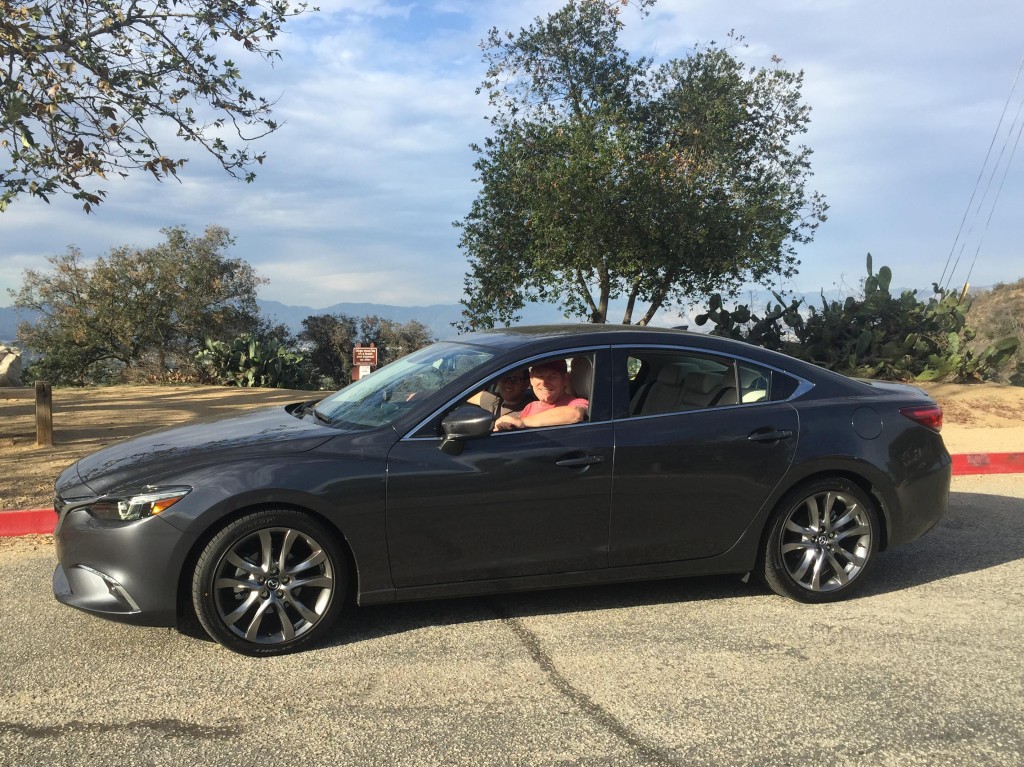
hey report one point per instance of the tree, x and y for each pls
(609, 178)
(82, 86)
(330, 338)
(136, 309)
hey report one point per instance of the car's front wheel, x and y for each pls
(821, 541)
(269, 582)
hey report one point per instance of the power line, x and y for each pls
(977, 184)
(1002, 181)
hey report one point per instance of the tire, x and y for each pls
(269, 583)
(822, 540)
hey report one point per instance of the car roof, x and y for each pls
(542, 338)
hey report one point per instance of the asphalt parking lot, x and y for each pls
(925, 668)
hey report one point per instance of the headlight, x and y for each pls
(146, 504)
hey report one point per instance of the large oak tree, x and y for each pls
(607, 177)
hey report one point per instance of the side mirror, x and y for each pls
(466, 422)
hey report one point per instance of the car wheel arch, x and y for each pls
(855, 475)
(184, 585)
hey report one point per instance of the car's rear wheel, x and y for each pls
(822, 540)
(269, 583)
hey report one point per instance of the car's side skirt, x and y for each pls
(739, 560)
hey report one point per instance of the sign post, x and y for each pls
(364, 359)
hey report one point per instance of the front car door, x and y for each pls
(512, 504)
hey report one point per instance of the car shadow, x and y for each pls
(978, 532)
(971, 537)
(377, 621)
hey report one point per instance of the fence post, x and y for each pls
(44, 414)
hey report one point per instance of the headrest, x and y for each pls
(673, 375)
(702, 383)
(748, 376)
(581, 366)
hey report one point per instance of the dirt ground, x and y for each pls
(978, 418)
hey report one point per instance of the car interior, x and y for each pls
(669, 383)
(581, 381)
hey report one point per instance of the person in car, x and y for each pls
(512, 396)
(554, 406)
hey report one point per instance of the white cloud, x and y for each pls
(372, 163)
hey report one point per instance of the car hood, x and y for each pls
(157, 454)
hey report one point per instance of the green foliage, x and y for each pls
(83, 83)
(762, 330)
(329, 339)
(136, 313)
(249, 362)
(607, 177)
(876, 336)
(997, 314)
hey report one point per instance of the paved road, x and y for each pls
(925, 669)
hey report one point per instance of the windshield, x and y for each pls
(384, 395)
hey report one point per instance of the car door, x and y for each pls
(689, 479)
(518, 503)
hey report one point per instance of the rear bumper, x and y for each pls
(923, 501)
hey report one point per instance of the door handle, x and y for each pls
(770, 436)
(583, 460)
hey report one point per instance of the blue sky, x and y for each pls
(362, 184)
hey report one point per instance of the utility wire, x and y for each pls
(1002, 181)
(977, 183)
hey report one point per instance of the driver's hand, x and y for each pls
(509, 423)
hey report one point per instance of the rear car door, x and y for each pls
(695, 466)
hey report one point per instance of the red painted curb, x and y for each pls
(28, 522)
(988, 463)
(42, 521)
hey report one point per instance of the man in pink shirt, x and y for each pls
(554, 405)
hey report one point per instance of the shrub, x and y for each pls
(247, 361)
(876, 335)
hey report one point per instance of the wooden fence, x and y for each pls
(43, 394)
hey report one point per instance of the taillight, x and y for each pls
(926, 415)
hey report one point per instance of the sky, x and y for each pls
(372, 165)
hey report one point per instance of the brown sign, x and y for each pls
(364, 355)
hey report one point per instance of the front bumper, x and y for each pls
(123, 571)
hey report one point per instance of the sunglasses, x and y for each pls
(513, 379)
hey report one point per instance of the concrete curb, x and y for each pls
(42, 521)
(27, 522)
(988, 463)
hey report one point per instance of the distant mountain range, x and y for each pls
(8, 324)
(439, 317)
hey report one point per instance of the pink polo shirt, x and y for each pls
(539, 407)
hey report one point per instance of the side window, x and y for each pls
(672, 382)
(764, 385)
(552, 391)
(507, 393)
(753, 383)
(782, 386)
